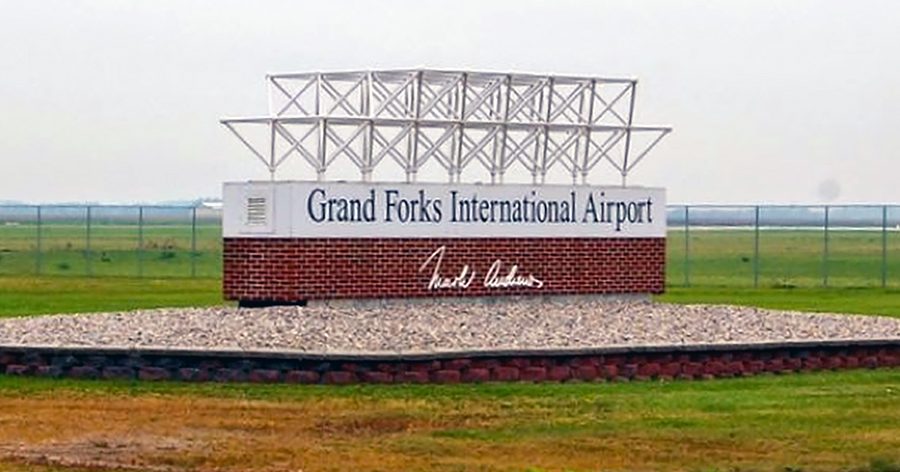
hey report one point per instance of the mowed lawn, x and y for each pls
(29, 295)
(863, 301)
(112, 250)
(783, 258)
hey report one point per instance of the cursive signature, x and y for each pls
(493, 278)
(438, 281)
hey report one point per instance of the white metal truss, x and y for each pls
(457, 119)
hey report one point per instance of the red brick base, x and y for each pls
(292, 270)
(676, 362)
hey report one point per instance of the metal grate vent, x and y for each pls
(256, 211)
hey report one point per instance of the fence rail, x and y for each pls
(784, 245)
(708, 245)
(151, 241)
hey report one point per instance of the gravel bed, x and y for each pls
(448, 327)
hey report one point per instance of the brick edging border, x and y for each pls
(704, 361)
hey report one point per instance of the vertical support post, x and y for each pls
(411, 151)
(39, 242)
(318, 105)
(543, 154)
(413, 164)
(140, 241)
(269, 98)
(365, 96)
(687, 246)
(455, 146)
(884, 246)
(581, 134)
(825, 251)
(461, 107)
(495, 148)
(320, 172)
(368, 139)
(587, 132)
(628, 133)
(87, 242)
(756, 248)
(366, 108)
(534, 159)
(272, 149)
(194, 242)
(501, 159)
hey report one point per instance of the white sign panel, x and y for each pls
(401, 210)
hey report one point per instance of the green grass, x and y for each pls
(39, 295)
(787, 258)
(26, 295)
(834, 391)
(826, 421)
(869, 301)
(111, 250)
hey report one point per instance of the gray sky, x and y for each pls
(772, 101)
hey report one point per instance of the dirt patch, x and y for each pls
(376, 425)
(100, 452)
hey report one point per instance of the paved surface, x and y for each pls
(431, 327)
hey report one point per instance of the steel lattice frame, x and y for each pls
(456, 118)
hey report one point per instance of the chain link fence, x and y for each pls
(708, 245)
(139, 241)
(784, 246)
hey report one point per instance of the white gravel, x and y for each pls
(418, 328)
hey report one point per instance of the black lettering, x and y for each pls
(390, 202)
(310, 207)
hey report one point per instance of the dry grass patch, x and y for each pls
(829, 422)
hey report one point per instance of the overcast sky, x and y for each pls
(772, 101)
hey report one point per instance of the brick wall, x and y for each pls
(680, 362)
(290, 270)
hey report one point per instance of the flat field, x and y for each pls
(30, 295)
(157, 250)
(785, 258)
(863, 301)
(812, 422)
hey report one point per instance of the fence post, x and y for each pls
(38, 255)
(194, 241)
(141, 241)
(87, 242)
(756, 248)
(883, 246)
(687, 247)
(825, 253)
